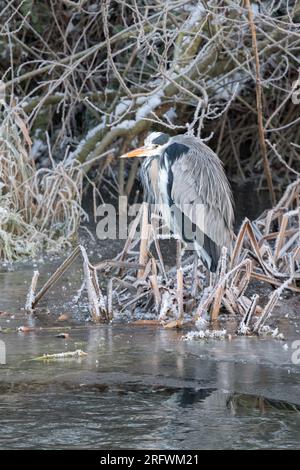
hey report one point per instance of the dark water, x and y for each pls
(140, 387)
(145, 418)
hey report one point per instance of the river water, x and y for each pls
(139, 386)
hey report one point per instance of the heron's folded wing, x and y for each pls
(201, 191)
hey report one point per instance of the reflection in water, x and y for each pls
(132, 416)
(188, 396)
(239, 402)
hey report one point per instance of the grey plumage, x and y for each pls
(187, 179)
(150, 165)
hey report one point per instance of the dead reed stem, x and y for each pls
(154, 285)
(143, 257)
(261, 131)
(110, 299)
(91, 286)
(56, 275)
(179, 293)
(31, 293)
(154, 225)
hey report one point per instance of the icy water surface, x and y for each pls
(144, 387)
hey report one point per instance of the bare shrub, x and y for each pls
(94, 74)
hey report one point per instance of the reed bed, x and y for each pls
(265, 250)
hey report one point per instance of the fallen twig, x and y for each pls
(63, 355)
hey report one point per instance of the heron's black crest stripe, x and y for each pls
(169, 186)
(175, 151)
(161, 139)
(167, 159)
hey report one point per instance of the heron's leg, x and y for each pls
(179, 281)
(183, 248)
(178, 253)
(207, 277)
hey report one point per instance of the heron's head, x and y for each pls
(153, 145)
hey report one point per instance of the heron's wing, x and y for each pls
(201, 192)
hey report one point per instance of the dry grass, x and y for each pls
(39, 209)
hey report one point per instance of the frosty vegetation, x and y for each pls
(97, 74)
(39, 208)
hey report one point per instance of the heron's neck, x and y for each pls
(147, 161)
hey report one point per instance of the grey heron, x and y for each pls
(186, 179)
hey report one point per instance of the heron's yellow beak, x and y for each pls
(140, 152)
